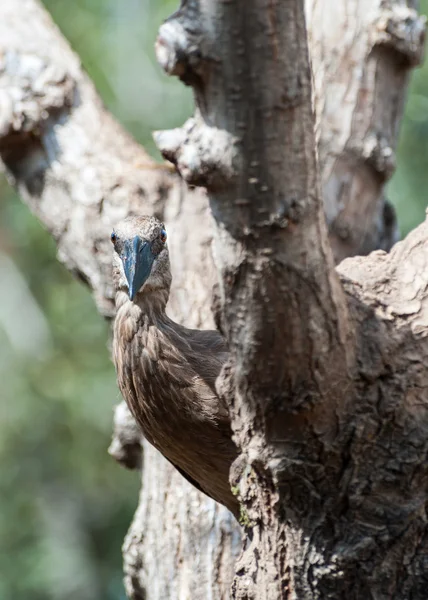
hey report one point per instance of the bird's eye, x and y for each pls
(163, 236)
(113, 237)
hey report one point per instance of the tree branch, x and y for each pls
(360, 90)
(56, 142)
(254, 150)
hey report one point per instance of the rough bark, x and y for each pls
(79, 172)
(362, 54)
(326, 385)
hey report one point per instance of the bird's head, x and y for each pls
(141, 261)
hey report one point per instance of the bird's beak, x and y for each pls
(137, 261)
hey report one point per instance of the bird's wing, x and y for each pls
(188, 478)
(194, 359)
(176, 404)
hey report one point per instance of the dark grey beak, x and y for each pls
(137, 261)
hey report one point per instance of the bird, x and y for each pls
(167, 372)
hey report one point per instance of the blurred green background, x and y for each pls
(65, 505)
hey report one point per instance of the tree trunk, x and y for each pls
(324, 383)
(327, 387)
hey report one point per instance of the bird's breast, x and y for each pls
(170, 400)
(144, 376)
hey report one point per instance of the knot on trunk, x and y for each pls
(32, 88)
(203, 155)
(126, 445)
(402, 29)
(183, 45)
(179, 53)
(378, 153)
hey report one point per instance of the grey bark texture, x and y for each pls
(328, 387)
(362, 52)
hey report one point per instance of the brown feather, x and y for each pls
(167, 376)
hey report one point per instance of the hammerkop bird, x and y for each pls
(167, 372)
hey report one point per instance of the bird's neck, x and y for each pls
(151, 303)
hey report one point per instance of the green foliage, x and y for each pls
(408, 188)
(65, 505)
